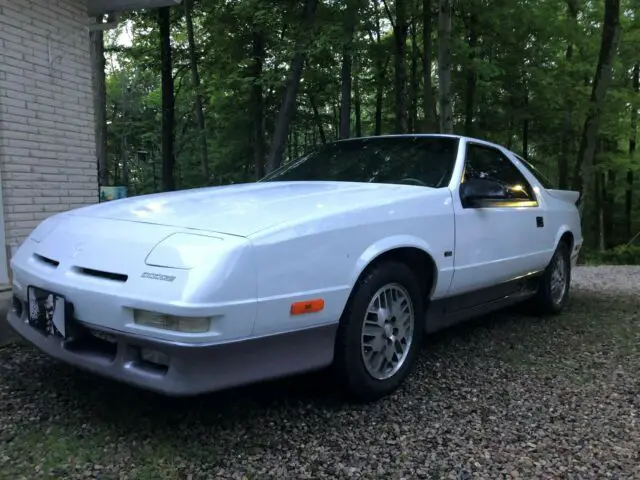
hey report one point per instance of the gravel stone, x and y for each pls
(508, 396)
(608, 279)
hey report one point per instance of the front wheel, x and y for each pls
(380, 332)
(553, 292)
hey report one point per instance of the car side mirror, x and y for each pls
(476, 190)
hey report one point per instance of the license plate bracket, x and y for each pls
(49, 312)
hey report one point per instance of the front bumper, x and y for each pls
(186, 369)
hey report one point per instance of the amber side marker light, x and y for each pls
(307, 306)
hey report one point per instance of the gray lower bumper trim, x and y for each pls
(192, 369)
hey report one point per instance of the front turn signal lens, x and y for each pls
(171, 322)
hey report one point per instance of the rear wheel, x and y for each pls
(553, 292)
(380, 332)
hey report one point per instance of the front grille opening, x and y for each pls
(152, 361)
(47, 260)
(116, 277)
(151, 367)
(94, 346)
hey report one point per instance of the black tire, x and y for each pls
(546, 302)
(356, 381)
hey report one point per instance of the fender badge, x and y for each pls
(157, 276)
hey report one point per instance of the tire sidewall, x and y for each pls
(354, 370)
(562, 250)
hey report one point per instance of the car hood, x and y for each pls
(246, 209)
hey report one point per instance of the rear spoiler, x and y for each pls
(570, 196)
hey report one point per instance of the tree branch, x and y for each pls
(389, 14)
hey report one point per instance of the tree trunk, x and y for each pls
(168, 122)
(314, 138)
(124, 154)
(633, 134)
(377, 129)
(154, 173)
(257, 102)
(99, 103)
(609, 197)
(444, 66)
(305, 137)
(380, 70)
(195, 84)
(525, 125)
(316, 116)
(346, 74)
(400, 28)
(287, 110)
(427, 94)
(602, 79)
(599, 187)
(116, 171)
(413, 79)
(472, 41)
(358, 106)
(567, 125)
(380, 97)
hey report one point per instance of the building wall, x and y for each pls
(47, 150)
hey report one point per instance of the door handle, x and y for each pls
(539, 222)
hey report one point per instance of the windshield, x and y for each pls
(414, 160)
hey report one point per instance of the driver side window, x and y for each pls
(483, 162)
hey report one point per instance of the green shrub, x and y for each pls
(620, 255)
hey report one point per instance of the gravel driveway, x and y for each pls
(510, 396)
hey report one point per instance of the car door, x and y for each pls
(500, 239)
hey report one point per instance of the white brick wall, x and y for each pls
(47, 150)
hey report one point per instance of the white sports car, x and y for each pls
(345, 257)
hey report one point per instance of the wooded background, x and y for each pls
(213, 92)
